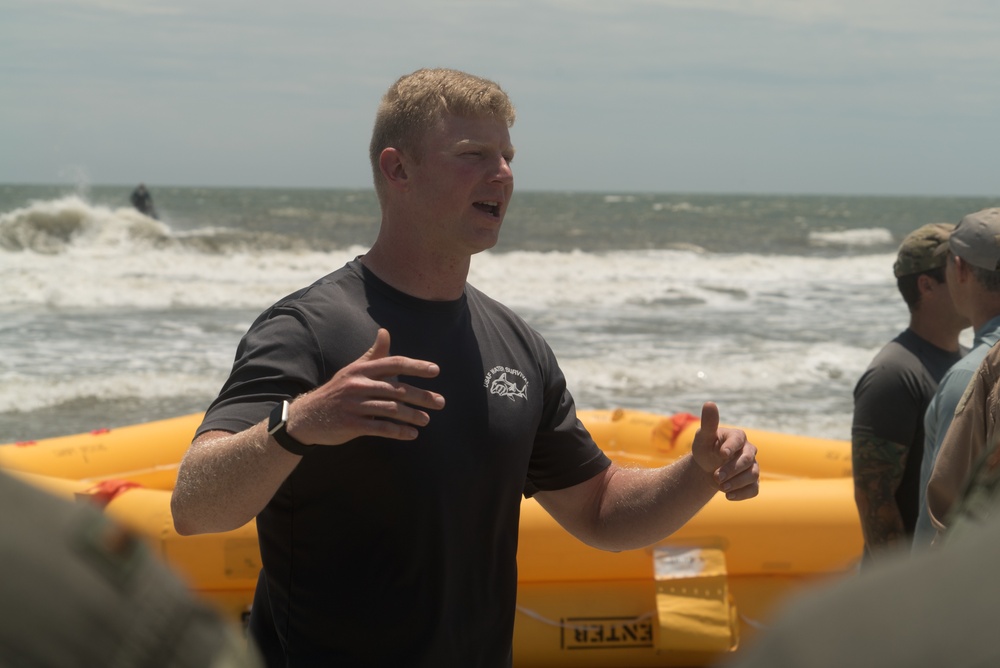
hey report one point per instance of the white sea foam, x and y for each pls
(51, 227)
(20, 393)
(623, 278)
(777, 340)
(87, 278)
(128, 274)
(865, 237)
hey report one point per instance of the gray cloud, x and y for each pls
(709, 95)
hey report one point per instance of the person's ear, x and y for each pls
(925, 284)
(393, 165)
(961, 266)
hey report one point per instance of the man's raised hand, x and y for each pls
(365, 398)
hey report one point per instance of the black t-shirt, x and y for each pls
(384, 552)
(890, 400)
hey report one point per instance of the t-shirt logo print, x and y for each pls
(503, 381)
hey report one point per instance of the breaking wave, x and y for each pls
(58, 226)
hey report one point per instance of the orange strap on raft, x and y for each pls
(95, 432)
(680, 421)
(666, 433)
(106, 491)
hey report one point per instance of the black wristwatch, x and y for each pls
(277, 427)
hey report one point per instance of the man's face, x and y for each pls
(463, 182)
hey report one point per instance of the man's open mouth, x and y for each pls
(492, 208)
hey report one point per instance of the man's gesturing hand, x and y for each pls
(365, 398)
(726, 455)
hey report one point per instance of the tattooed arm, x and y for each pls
(878, 472)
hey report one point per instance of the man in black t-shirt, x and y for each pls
(892, 395)
(386, 477)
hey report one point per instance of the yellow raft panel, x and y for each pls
(681, 602)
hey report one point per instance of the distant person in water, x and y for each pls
(143, 201)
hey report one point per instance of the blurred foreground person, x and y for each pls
(935, 609)
(78, 590)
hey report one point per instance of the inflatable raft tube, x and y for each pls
(649, 439)
(576, 605)
(149, 453)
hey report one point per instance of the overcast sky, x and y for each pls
(748, 96)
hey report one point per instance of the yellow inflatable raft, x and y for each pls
(681, 602)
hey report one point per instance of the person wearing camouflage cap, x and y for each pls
(887, 434)
(973, 256)
(923, 250)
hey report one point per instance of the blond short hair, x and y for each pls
(417, 101)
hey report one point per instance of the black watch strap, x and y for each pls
(277, 426)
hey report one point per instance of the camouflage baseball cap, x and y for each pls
(923, 249)
(976, 239)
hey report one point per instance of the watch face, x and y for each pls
(277, 419)
(276, 428)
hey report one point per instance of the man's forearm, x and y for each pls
(225, 479)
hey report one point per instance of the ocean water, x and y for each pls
(771, 306)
